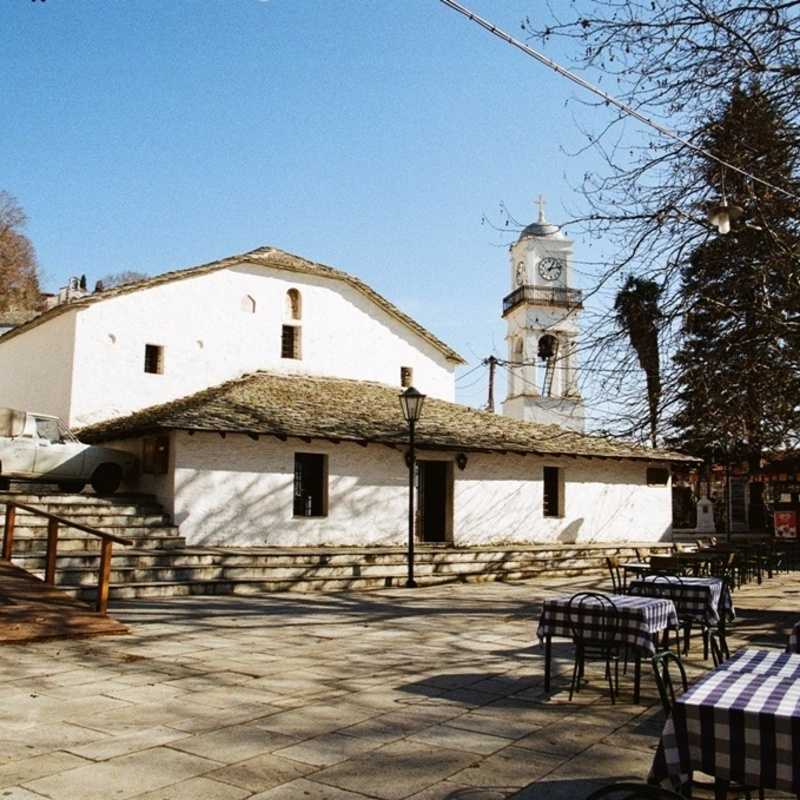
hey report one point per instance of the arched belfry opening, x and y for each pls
(547, 353)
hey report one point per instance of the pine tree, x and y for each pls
(739, 363)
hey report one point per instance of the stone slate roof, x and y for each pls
(338, 409)
(16, 317)
(263, 256)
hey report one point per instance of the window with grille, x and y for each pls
(657, 476)
(154, 359)
(290, 341)
(552, 492)
(310, 485)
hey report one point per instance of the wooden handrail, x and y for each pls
(70, 523)
(53, 521)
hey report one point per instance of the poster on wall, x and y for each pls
(786, 524)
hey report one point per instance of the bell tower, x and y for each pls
(542, 317)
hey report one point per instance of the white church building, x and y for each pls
(260, 393)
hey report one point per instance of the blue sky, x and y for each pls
(369, 135)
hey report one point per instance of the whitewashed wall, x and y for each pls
(208, 339)
(500, 498)
(239, 491)
(36, 367)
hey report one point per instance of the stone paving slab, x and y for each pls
(434, 694)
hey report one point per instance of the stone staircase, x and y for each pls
(160, 564)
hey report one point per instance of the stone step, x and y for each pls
(165, 589)
(153, 539)
(104, 521)
(77, 498)
(120, 575)
(140, 556)
(136, 566)
(87, 509)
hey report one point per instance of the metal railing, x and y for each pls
(548, 296)
(53, 521)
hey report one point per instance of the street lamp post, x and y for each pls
(411, 402)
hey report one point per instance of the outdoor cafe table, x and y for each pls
(698, 598)
(641, 620)
(740, 722)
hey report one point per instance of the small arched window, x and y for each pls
(248, 304)
(293, 309)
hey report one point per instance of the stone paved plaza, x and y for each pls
(429, 694)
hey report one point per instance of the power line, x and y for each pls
(626, 109)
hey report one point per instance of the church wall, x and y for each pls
(36, 368)
(240, 492)
(500, 499)
(207, 339)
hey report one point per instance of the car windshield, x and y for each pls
(53, 430)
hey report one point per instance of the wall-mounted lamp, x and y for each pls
(461, 461)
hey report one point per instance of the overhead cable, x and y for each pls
(610, 99)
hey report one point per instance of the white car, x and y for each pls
(41, 447)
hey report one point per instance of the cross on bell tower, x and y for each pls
(540, 201)
(542, 316)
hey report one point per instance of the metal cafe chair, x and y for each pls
(719, 647)
(633, 791)
(594, 621)
(618, 582)
(666, 688)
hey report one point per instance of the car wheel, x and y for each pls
(73, 487)
(107, 478)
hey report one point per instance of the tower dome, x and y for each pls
(541, 228)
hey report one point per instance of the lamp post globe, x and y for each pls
(411, 402)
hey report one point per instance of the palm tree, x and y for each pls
(638, 314)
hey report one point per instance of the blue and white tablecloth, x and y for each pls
(641, 619)
(696, 598)
(740, 722)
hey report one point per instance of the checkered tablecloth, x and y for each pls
(794, 639)
(641, 619)
(740, 722)
(698, 598)
(764, 662)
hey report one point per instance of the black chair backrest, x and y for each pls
(633, 791)
(666, 688)
(617, 582)
(593, 619)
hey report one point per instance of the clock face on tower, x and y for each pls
(551, 268)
